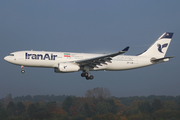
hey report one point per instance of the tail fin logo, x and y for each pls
(160, 47)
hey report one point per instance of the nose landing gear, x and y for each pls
(22, 71)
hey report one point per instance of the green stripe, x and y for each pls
(66, 53)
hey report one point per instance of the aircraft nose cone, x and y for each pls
(5, 58)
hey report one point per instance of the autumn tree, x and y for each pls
(103, 108)
(41, 103)
(139, 116)
(108, 116)
(145, 107)
(96, 117)
(51, 106)
(67, 104)
(178, 104)
(134, 105)
(3, 114)
(27, 103)
(21, 108)
(1, 106)
(31, 109)
(120, 107)
(37, 111)
(114, 108)
(79, 117)
(98, 94)
(88, 110)
(166, 115)
(79, 106)
(42, 114)
(65, 118)
(157, 104)
(84, 106)
(123, 118)
(169, 105)
(7, 99)
(11, 107)
(60, 112)
(70, 106)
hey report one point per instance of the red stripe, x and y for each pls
(67, 56)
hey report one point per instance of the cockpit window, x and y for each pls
(11, 55)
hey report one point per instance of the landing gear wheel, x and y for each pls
(91, 77)
(86, 74)
(87, 78)
(22, 71)
(82, 75)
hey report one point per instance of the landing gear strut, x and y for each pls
(22, 71)
(87, 75)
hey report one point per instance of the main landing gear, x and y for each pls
(87, 75)
(22, 71)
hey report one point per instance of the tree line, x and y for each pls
(96, 105)
(128, 100)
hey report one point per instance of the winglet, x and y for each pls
(126, 49)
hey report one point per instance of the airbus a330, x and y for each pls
(64, 62)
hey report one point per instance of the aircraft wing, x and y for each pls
(92, 62)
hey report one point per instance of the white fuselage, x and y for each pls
(52, 59)
(64, 62)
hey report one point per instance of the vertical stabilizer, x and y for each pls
(159, 48)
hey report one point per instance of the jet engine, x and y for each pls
(67, 67)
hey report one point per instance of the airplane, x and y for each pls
(65, 62)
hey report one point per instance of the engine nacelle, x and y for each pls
(67, 67)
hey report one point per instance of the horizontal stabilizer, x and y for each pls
(154, 60)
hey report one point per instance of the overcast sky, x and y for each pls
(89, 26)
